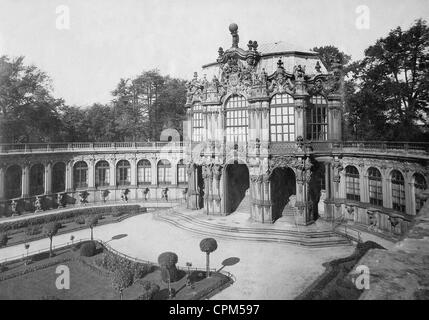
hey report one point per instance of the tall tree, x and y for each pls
(393, 79)
(28, 111)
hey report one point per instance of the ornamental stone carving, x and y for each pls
(217, 171)
(337, 166)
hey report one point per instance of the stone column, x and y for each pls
(216, 193)
(363, 183)
(25, 182)
(265, 121)
(207, 177)
(300, 117)
(91, 174)
(193, 194)
(133, 169)
(334, 118)
(174, 173)
(69, 175)
(112, 172)
(409, 194)
(2, 181)
(304, 212)
(386, 183)
(48, 177)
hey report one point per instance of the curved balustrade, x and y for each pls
(84, 146)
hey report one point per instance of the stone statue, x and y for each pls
(83, 195)
(145, 193)
(164, 194)
(124, 195)
(13, 207)
(38, 204)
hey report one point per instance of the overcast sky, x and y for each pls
(110, 39)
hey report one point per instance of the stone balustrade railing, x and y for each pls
(85, 146)
(275, 147)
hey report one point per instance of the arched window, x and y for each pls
(37, 175)
(102, 173)
(59, 177)
(13, 179)
(182, 177)
(197, 122)
(123, 173)
(398, 191)
(282, 118)
(375, 187)
(80, 174)
(420, 185)
(236, 119)
(143, 172)
(352, 183)
(164, 172)
(317, 119)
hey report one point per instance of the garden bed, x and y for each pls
(91, 278)
(31, 229)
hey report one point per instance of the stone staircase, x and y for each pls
(244, 205)
(203, 227)
(288, 211)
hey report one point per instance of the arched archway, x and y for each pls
(59, 177)
(37, 176)
(283, 187)
(236, 185)
(13, 179)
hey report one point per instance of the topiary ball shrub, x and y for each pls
(3, 239)
(80, 220)
(88, 249)
(167, 261)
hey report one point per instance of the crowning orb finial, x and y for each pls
(233, 28)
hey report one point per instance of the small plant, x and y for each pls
(91, 222)
(88, 249)
(50, 230)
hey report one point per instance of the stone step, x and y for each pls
(244, 205)
(196, 220)
(209, 229)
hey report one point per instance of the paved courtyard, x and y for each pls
(265, 270)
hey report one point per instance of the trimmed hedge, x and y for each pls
(3, 239)
(74, 213)
(112, 262)
(33, 230)
(88, 249)
(80, 220)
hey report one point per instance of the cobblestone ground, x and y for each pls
(265, 270)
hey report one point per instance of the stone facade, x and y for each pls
(244, 82)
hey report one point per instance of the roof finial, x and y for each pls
(233, 28)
